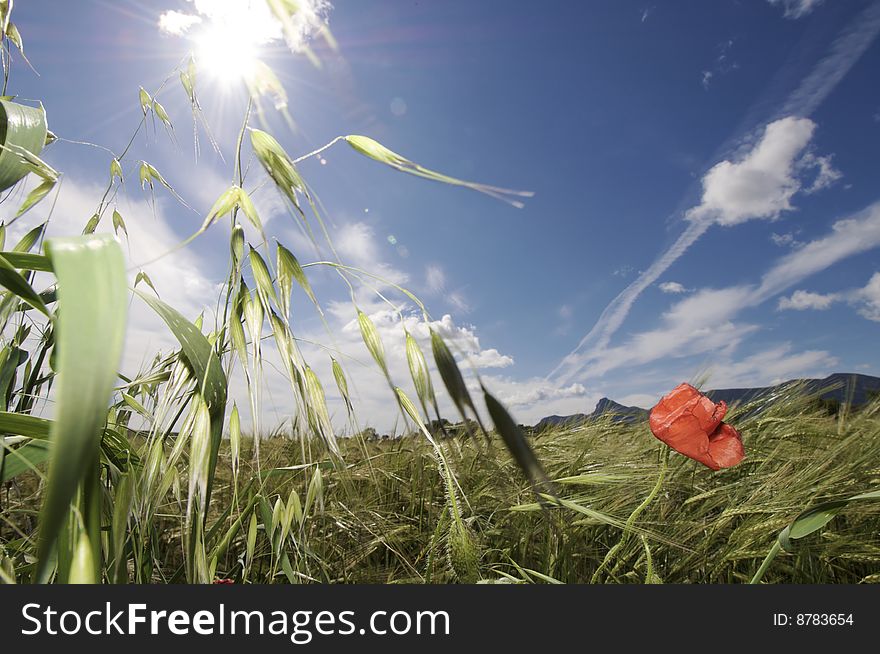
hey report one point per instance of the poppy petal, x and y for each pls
(726, 447)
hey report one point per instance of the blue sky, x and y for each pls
(705, 181)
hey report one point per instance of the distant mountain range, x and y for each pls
(851, 388)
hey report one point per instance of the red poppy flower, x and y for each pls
(690, 423)
(223, 581)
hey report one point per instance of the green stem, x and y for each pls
(767, 561)
(633, 517)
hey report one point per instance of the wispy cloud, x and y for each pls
(795, 9)
(436, 283)
(435, 279)
(848, 237)
(705, 322)
(615, 313)
(566, 320)
(846, 50)
(786, 240)
(706, 78)
(866, 299)
(771, 366)
(722, 64)
(357, 244)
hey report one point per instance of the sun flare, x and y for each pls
(227, 36)
(227, 54)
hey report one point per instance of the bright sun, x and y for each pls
(226, 53)
(229, 36)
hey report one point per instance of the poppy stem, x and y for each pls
(664, 456)
(767, 561)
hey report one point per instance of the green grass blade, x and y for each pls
(516, 443)
(28, 261)
(206, 369)
(378, 152)
(12, 280)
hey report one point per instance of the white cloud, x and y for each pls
(358, 246)
(490, 358)
(191, 279)
(539, 390)
(672, 288)
(826, 174)
(795, 9)
(252, 18)
(803, 300)
(177, 23)
(869, 296)
(373, 401)
(762, 183)
(706, 78)
(566, 319)
(771, 366)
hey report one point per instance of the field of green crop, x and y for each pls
(153, 478)
(387, 516)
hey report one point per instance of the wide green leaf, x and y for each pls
(22, 424)
(25, 458)
(21, 127)
(814, 518)
(89, 328)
